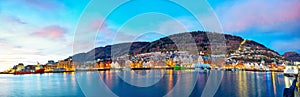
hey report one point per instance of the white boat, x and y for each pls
(202, 66)
(290, 70)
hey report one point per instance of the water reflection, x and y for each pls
(234, 84)
(145, 78)
(253, 84)
(242, 84)
(48, 84)
(170, 80)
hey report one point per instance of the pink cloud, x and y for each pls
(90, 30)
(263, 14)
(106, 32)
(51, 32)
(95, 25)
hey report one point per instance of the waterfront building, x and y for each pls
(145, 64)
(38, 66)
(248, 65)
(200, 60)
(50, 66)
(240, 65)
(115, 64)
(96, 65)
(170, 62)
(68, 65)
(151, 63)
(30, 68)
(128, 63)
(296, 63)
(51, 62)
(101, 64)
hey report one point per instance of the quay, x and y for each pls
(149, 68)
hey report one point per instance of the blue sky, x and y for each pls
(41, 30)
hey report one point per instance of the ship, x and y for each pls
(42, 70)
(22, 72)
(38, 69)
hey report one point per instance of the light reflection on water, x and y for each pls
(58, 84)
(234, 84)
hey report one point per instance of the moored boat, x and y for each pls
(290, 71)
(201, 66)
(29, 72)
(179, 67)
(42, 70)
(22, 72)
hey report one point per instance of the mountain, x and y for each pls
(292, 56)
(184, 41)
(200, 38)
(105, 52)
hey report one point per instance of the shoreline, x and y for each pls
(168, 68)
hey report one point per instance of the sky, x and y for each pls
(34, 31)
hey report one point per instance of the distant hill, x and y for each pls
(292, 56)
(199, 38)
(105, 52)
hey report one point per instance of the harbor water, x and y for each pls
(232, 84)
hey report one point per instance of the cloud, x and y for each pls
(36, 30)
(96, 23)
(89, 28)
(266, 15)
(89, 33)
(13, 20)
(52, 32)
(26, 49)
(11, 55)
(44, 5)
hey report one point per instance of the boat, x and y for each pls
(23, 72)
(290, 70)
(42, 70)
(202, 66)
(179, 68)
(29, 72)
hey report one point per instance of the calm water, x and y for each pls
(143, 84)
